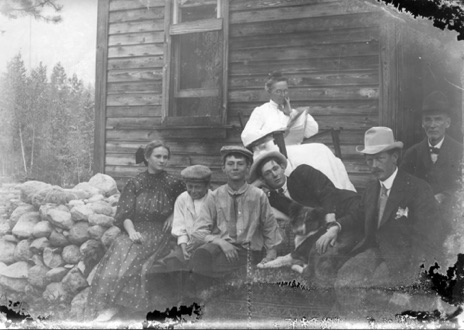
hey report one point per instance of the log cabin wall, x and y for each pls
(330, 49)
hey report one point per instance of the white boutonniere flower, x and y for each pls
(401, 213)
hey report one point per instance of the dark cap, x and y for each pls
(436, 102)
(196, 173)
(227, 150)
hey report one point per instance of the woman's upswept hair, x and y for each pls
(153, 145)
(274, 77)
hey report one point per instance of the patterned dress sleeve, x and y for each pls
(126, 204)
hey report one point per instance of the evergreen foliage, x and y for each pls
(47, 125)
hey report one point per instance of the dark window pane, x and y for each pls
(200, 60)
(196, 13)
(198, 107)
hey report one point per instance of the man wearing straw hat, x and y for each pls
(401, 231)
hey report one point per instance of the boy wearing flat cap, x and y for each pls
(436, 159)
(402, 230)
(235, 222)
(197, 179)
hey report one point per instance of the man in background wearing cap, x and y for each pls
(310, 187)
(235, 222)
(437, 159)
(401, 231)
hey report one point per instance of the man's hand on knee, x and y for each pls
(229, 250)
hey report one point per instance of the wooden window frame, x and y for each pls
(173, 28)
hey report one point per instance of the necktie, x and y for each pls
(434, 150)
(232, 228)
(281, 191)
(382, 202)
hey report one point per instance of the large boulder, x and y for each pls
(7, 250)
(78, 305)
(13, 284)
(81, 213)
(101, 220)
(71, 254)
(74, 281)
(113, 199)
(19, 269)
(79, 233)
(96, 198)
(96, 232)
(54, 194)
(57, 239)
(101, 207)
(52, 257)
(15, 276)
(39, 244)
(30, 188)
(37, 276)
(22, 251)
(42, 229)
(5, 228)
(25, 225)
(18, 212)
(11, 238)
(91, 190)
(106, 184)
(78, 193)
(56, 274)
(60, 219)
(55, 293)
(74, 203)
(109, 236)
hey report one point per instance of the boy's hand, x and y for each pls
(229, 250)
(186, 254)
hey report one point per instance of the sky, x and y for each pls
(71, 42)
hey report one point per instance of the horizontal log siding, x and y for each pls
(134, 80)
(328, 48)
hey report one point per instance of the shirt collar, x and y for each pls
(388, 183)
(272, 103)
(438, 145)
(237, 192)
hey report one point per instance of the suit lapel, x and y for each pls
(444, 151)
(395, 197)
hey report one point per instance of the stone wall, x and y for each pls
(51, 241)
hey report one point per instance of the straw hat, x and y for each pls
(256, 167)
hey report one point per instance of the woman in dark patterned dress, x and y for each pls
(144, 215)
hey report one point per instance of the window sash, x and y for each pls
(172, 92)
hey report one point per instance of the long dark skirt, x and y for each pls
(120, 279)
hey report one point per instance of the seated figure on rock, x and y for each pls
(234, 224)
(144, 213)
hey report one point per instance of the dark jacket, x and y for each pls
(310, 187)
(404, 241)
(443, 175)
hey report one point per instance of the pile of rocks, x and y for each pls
(51, 242)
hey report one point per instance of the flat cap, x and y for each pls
(226, 150)
(196, 173)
